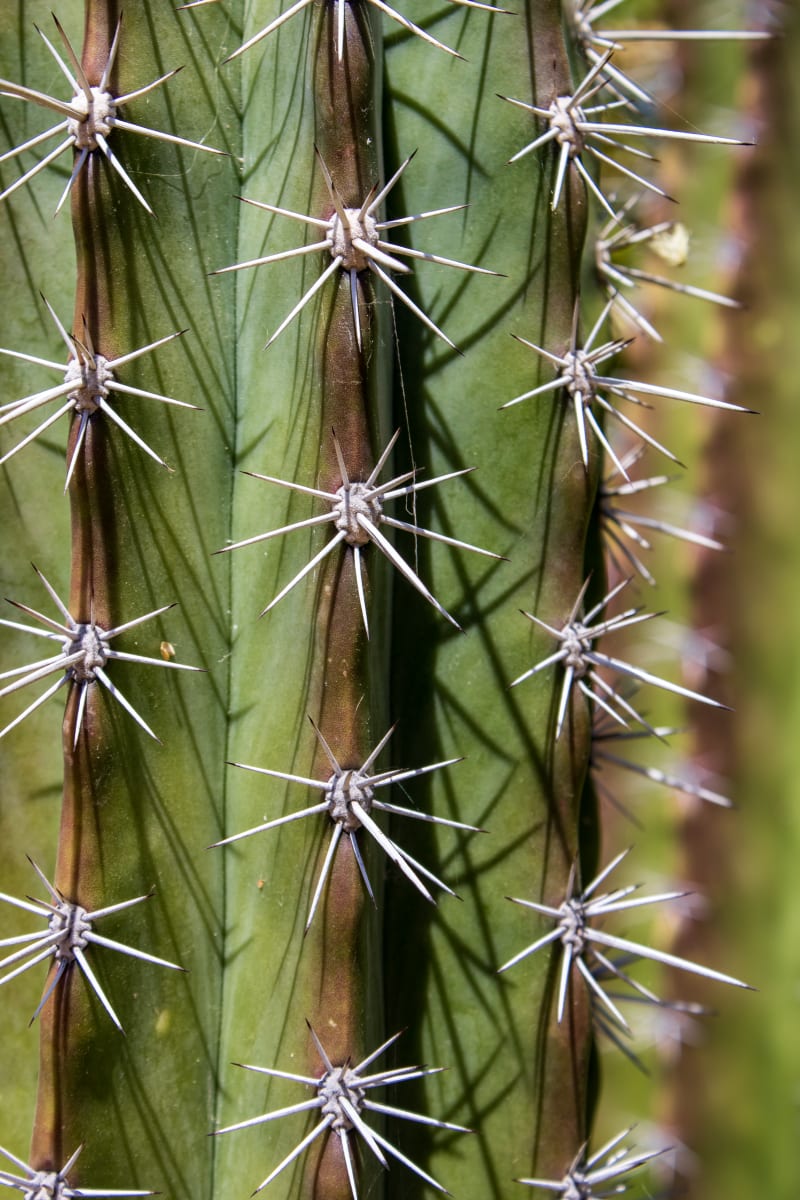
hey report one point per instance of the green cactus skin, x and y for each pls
(137, 815)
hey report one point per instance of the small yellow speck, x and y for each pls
(167, 650)
(163, 1022)
(672, 245)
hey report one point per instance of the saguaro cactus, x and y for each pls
(328, 485)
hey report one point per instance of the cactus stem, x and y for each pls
(342, 1095)
(579, 940)
(90, 118)
(349, 800)
(70, 931)
(84, 654)
(586, 1174)
(354, 243)
(357, 511)
(53, 1185)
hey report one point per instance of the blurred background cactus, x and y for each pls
(317, 936)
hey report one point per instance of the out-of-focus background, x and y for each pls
(724, 1089)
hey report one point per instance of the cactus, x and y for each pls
(239, 823)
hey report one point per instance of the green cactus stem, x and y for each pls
(348, 317)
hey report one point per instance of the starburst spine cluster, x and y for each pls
(356, 512)
(582, 661)
(342, 1095)
(70, 932)
(36, 1184)
(88, 380)
(579, 378)
(588, 1173)
(581, 940)
(349, 798)
(354, 242)
(90, 117)
(574, 128)
(84, 654)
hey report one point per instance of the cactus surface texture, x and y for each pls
(322, 654)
